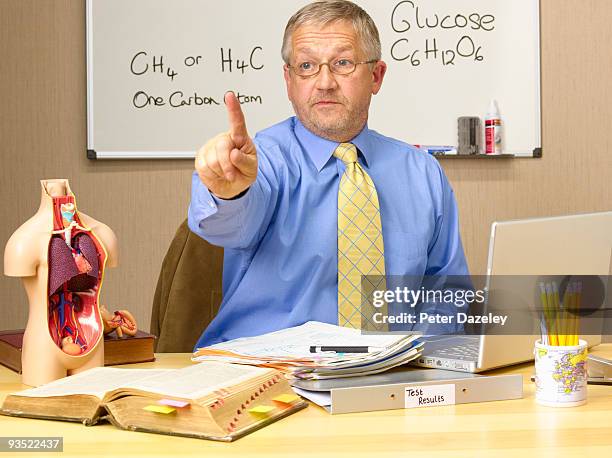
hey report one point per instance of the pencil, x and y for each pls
(545, 316)
(553, 329)
(565, 337)
(577, 303)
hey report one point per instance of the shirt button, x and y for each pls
(211, 203)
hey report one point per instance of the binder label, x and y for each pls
(429, 395)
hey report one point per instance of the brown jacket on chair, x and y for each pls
(188, 292)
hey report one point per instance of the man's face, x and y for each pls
(330, 105)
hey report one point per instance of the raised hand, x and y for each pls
(227, 164)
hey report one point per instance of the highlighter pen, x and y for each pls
(343, 349)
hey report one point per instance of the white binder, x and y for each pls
(409, 388)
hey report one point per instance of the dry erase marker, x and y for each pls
(344, 349)
(440, 150)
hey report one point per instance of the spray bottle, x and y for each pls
(493, 134)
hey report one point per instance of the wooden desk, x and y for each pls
(507, 428)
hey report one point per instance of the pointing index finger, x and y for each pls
(238, 130)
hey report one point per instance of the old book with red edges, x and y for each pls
(210, 400)
(117, 350)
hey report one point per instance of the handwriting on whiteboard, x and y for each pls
(145, 64)
(423, 36)
(409, 16)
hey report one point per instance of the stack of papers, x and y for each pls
(289, 351)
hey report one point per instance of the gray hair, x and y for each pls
(328, 11)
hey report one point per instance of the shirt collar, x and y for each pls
(320, 149)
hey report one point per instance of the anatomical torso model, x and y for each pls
(61, 255)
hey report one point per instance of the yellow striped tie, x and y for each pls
(360, 242)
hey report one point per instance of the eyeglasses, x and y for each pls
(338, 67)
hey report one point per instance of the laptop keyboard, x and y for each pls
(468, 350)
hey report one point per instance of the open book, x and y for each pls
(210, 400)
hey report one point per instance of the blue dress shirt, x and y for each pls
(280, 238)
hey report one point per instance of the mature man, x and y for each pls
(310, 205)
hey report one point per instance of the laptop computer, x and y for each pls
(575, 244)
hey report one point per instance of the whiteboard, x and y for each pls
(158, 69)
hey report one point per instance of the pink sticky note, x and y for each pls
(173, 403)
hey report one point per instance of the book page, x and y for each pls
(295, 342)
(96, 382)
(199, 380)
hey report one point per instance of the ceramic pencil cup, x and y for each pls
(561, 374)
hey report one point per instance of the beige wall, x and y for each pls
(43, 135)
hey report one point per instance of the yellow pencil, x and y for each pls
(569, 316)
(545, 313)
(577, 303)
(553, 315)
(565, 322)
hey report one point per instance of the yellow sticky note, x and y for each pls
(286, 398)
(261, 410)
(160, 409)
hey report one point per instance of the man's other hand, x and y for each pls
(227, 164)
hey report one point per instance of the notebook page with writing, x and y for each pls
(96, 382)
(194, 382)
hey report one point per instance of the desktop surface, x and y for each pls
(502, 428)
